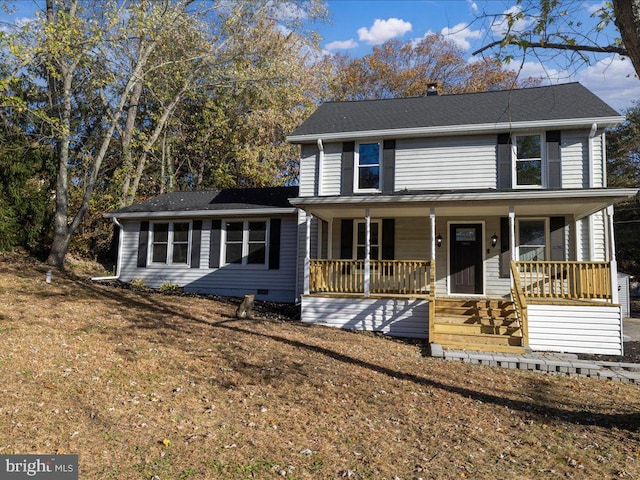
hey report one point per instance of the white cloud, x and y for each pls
(546, 74)
(473, 6)
(341, 45)
(17, 24)
(290, 11)
(460, 34)
(383, 30)
(500, 25)
(614, 80)
(594, 7)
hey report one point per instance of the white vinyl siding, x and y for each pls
(574, 154)
(308, 169)
(494, 285)
(394, 317)
(598, 177)
(446, 163)
(575, 329)
(412, 240)
(331, 171)
(598, 237)
(583, 241)
(235, 282)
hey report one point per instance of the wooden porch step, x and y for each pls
(475, 320)
(477, 302)
(483, 348)
(475, 329)
(475, 339)
(476, 313)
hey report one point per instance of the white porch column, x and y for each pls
(432, 217)
(367, 253)
(512, 233)
(615, 298)
(307, 255)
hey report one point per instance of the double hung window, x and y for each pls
(529, 161)
(361, 240)
(170, 243)
(532, 240)
(246, 242)
(368, 164)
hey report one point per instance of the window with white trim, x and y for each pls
(170, 243)
(360, 242)
(533, 235)
(529, 167)
(245, 242)
(368, 162)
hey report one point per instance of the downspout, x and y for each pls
(320, 165)
(119, 259)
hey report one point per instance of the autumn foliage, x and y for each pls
(395, 69)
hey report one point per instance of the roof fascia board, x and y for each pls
(459, 129)
(617, 193)
(204, 213)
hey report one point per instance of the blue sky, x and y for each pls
(358, 25)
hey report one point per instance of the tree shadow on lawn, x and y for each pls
(156, 309)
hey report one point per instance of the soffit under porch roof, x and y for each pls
(576, 202)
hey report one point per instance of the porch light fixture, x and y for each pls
(439, 240)
(494, 240)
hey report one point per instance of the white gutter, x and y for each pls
(119, 259)
(320, 164)
(460, 129)
(204, 213)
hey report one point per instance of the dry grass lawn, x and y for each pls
(146, 386)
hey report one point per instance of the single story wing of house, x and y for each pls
(479, 220)
(229, 242)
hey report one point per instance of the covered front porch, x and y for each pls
(458, 271)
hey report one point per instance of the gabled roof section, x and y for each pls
(568, 105)
(230, 200)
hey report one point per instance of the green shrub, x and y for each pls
(170, 288)
(137, 283)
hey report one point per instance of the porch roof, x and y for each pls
(577, 202)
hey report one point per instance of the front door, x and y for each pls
(465, 244)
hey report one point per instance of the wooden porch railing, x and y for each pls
(385, 276)
(520, 302)
(566, 280)
(399, 276)
(336, 276)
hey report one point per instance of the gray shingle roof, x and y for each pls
(556, 102)
(225, 199)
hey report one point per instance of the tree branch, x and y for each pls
(557, 46)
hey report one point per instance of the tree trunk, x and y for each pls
(127, 136)
(627, 13)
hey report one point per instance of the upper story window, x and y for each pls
(170, 243)
(361, 240)
(532, 240)
(529, 161)
(245, 242)
(368, 162)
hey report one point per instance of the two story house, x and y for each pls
(478, 220)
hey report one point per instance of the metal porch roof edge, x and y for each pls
(468, 196)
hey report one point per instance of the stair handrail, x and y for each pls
(520, 302)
